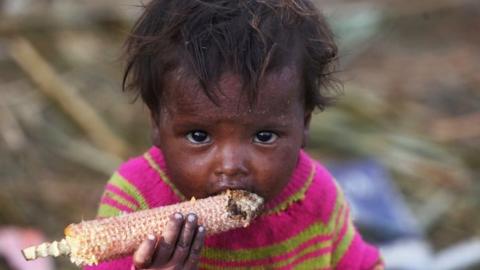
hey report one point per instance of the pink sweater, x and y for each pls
(307, 226)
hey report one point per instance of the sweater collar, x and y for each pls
(295, 190)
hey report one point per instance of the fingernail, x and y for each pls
(151, 237)
(191, 218)
(201, 229)
(178, 216)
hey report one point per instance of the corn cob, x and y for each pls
(95, 241)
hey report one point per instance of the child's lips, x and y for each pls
(223, 188)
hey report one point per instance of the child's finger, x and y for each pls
(196, 249)
(142, 257)
(169, 238)
(185, 240)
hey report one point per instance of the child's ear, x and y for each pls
(155, 133)
(306, 127)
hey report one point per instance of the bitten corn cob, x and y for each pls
(95, 241)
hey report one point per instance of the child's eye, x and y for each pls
(265, 137)
(198, 137)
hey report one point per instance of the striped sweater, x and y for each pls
(307, 226)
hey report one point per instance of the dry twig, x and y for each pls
(50, 83)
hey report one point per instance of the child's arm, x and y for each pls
(350, 251)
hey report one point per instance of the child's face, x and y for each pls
(209, 148)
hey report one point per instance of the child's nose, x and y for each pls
(231, 161)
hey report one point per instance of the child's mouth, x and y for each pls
(222, 188)
(244, 205)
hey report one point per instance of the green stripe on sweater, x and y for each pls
(119, 199)
(106, 210)
(120, 182)
(343, 245)
(343, 210)
(339, 206)
(269, 251)
(320, 261)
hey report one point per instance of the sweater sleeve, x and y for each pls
(350, 251)
(119, 196)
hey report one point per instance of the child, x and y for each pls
(231, 86)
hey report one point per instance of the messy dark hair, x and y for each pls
(247, 37)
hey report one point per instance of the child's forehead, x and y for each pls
(277, 88)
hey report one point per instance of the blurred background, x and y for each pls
(403, 139)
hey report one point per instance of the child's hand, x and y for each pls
(179, 247)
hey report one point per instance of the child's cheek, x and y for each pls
(274, 173)
(188, 174)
